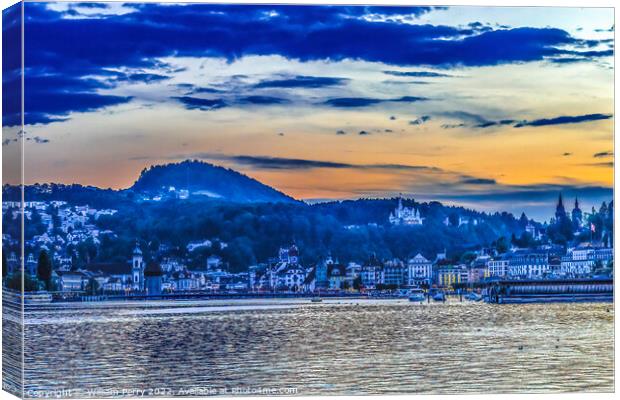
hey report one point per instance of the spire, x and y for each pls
(137, 251)
(560, 213)
(576, 204)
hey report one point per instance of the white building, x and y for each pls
(405, 215)
(581, 260)
(419, 270)
(285, 273)
(498, 268)
(524, 264)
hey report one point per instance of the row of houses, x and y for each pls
(531, 264)
(139, 277)
(286, 273)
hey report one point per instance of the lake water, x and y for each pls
(333, 347)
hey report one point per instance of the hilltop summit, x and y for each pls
(200, 178)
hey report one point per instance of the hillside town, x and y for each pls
(67, 228)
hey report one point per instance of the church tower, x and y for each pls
(560, 212)
(577, 215)
(137, 269)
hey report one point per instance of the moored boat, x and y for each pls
(439, 296)
(416, 295)
(473, 296)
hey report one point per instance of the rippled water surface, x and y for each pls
(334, 347)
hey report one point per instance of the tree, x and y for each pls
(357, 282)
(92, 287)
(44, 269)
(15, 282)
(523, 221)
(502, 245)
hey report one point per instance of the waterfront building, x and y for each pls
(153, 278)
(113, 285)
(184, 281)
(450, 275)
(137, 269)
(353, 272)
(405, 215)
(283, 273)
(337, 276)
(71, 281)
(371, 273)
(581, 260)
(478, 269)
(31, 265)
(321, 273)
(524, 264)
(419, 270)
(394, 273)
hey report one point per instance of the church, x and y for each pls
(576, 216)
(125, 276)
(283, 273)
(405, 215)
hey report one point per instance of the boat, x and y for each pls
(439, 296)
(316, 300)
(416, 296)
(473, 296)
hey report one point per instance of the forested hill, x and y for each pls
(204, 179)
(349, 231)
(178, 203)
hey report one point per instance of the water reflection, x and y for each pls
(334, 347)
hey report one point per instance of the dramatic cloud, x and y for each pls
(421, 120)
(301, 82)
(264, 100)
(535, 192)
(142, 77)
(564, 120)
(478, 181)
(83, 41)
(264, 162)
(417, 74)
(488, 124)
(352, 102)
(535, 200)
(478, 121)
(195, 103)
(607, 164)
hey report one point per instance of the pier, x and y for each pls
(549, 291)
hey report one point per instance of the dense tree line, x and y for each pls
(349, 230)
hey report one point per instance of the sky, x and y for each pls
(493, 108)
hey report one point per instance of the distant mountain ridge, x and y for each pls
(204, 179)
(201, 180)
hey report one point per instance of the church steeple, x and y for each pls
(560, 212)
(577, 215)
